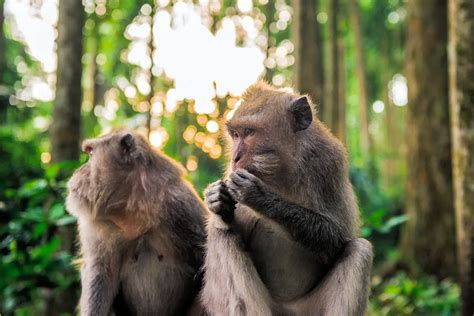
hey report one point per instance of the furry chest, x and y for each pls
(288, 270)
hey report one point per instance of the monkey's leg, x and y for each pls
(232, 285)
(345, 289)
(100, 283)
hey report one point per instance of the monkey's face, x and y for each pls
(264, 137)
(101, 183)
(252, 149)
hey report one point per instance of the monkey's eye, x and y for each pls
(248, 131)
(234, 134)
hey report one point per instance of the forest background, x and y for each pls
(393, 79)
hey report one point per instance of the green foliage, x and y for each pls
(401, 295)
(381, 216)
(32, 262)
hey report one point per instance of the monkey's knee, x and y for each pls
(360, 249)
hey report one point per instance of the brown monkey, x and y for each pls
(141, 229)
(290, 247)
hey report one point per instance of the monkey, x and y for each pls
(141, 229)
(282, 235)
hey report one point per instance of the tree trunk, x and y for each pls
(94, 91)
(309, 72)
(461, 71)
(2, 43)
(66, 125)
(269, 11)
(151, 48)
(391, 168)
(428, 242)
(333, 117)
(340, 126)
(3, 92)
(361, 78)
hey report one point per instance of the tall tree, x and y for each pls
(94, 83)
(333, 89)
(3, 93)
(66, 124)
(461, 81)
(340, 127)
(361, 75)
(309, 71)
(428, 241)
(66, 121)
(152, 78)
(269, 11)
(2, 42)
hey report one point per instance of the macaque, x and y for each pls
(141, 229)
(282, 238)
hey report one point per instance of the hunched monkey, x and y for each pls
(141, 229)
(282, 239)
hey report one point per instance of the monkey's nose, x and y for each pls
(237, 158)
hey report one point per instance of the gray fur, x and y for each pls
(282, 239)
(141, 229)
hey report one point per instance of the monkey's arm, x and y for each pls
(99, 278)
(345, 288)
(312, 228)
(232, 285)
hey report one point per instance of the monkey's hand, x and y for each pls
(245, 188)
(219, 201)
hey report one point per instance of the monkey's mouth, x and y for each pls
(79, 184)
(263, 165)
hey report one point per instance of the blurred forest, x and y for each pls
(393, 79)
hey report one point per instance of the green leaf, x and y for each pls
(39, 230)
(34, 214)
(366, 232)
(52, 171)
(65, 220)
(46, 250)
(393, 222)
(56, 212)
(32, 187)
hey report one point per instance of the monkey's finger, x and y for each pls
(213, 197)
(232, 187)
(249, 177)
(214, 186)
(234, 191)
(245, 174)
(213, 201)
(236, 179)
(217, 188)
(215, 207)
(224, 191)
(211, 193)
(227, 198)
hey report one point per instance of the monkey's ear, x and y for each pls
(127, 142)
(301, 111)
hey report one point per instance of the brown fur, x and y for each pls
(141, 229)
(290, 247)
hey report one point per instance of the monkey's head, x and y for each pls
(116, 171)
(266, 128)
